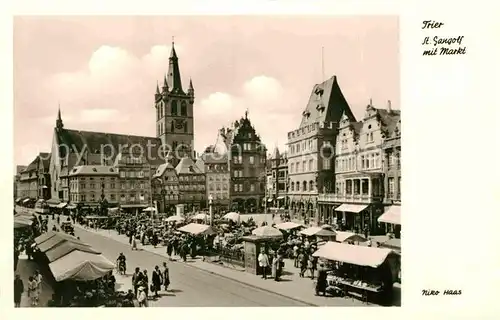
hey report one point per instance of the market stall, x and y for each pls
(201, 217)
(233, 216)
(66, 248)
(196, 229)
(57, 240)
(80, 266)
(289, 226)
(346, 236)
(175, 219)
(267, 232)
(363, 272)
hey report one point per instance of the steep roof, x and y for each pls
(326, 103)
(187, 166)
(200, 164)
(109, 143)
(389, 120)
(93, 171)
(162, 168)
(276, 154)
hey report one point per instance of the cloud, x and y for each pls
(262, 96)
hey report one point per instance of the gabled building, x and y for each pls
(192, 191)
(34, 180)
(165, 184)
(175, 113)
(311, 149)
(356, 201)
(72, 148)
(247, 166)
(17, 181)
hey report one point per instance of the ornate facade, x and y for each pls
(191, 185)
(216, 168)
(247, 166)
(165, 184)
(357, 200)
(277, 177)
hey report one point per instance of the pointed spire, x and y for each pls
(59, 122)
(191, 84)
(174, 74)
(157, 88)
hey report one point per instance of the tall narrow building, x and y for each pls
(174, 113)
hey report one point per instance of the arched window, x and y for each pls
(174, 107)
(161, 110)
(311, 186)
(304, 186)
(172, 126)
(185, 127)
(157, 113)
(292, 185)
(183, 108)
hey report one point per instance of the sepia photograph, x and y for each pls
(207, 161)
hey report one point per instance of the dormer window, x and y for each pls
(319, 91)
(94, 169)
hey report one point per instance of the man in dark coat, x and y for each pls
(18, 291)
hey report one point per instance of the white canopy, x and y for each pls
(392, 215)
(343, 236)
(196, 229)
(358, 255)
(267, 231)
(201, 216)
(355, 208)
(80, 266)
(325, 230)
(174, 219)
(232, 216)
(288, 225)
(150, 209)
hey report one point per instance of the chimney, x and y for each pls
(389, 108)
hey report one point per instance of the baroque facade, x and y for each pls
(165, 184)
(247, 166)
(357, 199)
(311, 149)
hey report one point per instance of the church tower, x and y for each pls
(174, 113)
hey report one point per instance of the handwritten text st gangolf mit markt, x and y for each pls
(441, 45)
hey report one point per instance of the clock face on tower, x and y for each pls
(180, 123)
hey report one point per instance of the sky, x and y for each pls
(103, 71)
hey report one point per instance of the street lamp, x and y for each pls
(163, 193)
(211, 211)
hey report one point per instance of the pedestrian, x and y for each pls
(145, 282)
(166, 276)
(263, 262)
(38, 278)
(156, 281)
(310, 266)
(18, 291)
(136, 280)
(274, 270)
(16, 257)
(142, 298)
(134, 243)
(154, 240)
(303, 263)
(296, 256)
(169, 249)
(321, 283)
(33, 292)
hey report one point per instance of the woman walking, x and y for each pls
(145, 282)
(33, 292)
(165, 276)
(156, 281)
(142, 297)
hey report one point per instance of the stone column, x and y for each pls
(370, 187)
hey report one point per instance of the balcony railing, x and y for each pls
(355, 198)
